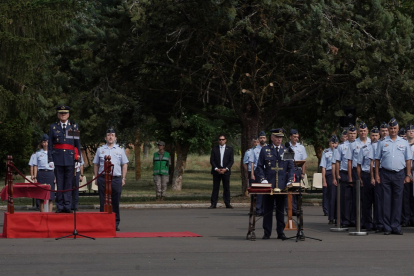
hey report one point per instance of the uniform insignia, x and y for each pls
(382, 138)
(68, 124)
(54, 127)
(103, 152)
(57, 131)
(57, 139)
(74, 125)
(364, 146)
(41, 155)
(386, 145)
(357, 147)
(267, 149)
(281, 147)
(62, 107)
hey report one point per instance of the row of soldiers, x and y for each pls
(382, 163)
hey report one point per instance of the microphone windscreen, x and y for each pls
(287, 145)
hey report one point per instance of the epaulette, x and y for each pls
(382, 139)
(364, 146)
(404, 138)
(411, 144)
(374, 142)
(352, 142)
(327, 150)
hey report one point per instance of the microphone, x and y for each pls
(287, 145)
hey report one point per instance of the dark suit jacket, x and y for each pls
(228, 159)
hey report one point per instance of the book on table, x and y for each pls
(262, 185)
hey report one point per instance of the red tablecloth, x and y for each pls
(26, 190)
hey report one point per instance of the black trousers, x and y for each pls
(330, 196)
(64, 179)
(217, 178)
(268, 205)
(369, 200)
(406, 203)
(116, 195)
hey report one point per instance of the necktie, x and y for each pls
(277, 152)
(64, 128)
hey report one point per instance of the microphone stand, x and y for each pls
(299, 212)
(75, 231)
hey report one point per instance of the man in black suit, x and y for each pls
(221, 160)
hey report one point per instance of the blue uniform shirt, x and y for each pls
(246, 158)
(300, 151)
(393, 154)
(255, 155)
(326, 160)
(365, 155)
(353, 150)
(41, 161)
(32, 159)
(118, 158)
(374, 150)
(340, 156)
(81, 163)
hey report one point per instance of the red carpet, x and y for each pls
(52, 225)
(155, 234)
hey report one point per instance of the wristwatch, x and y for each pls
(410, 176)
(82, 175)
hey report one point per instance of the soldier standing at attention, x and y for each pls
(271, 163)
(162, 162)
(395, 156)
(408, 188)
(409, 131)
(63, 152)
(120, 162)
(256, 153)
(329, 189)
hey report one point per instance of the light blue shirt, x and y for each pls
(339, 155)
(326, 160)
(365, 155)
(81, 163)
(300, 151)
(393, 154)
(353, 150)
(32, 159)
(118, 158)
(374, 150)
(41, 161)
(255, 155)
(246, 159)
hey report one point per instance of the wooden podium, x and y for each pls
(295, 186)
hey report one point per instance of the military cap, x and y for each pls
(294, 131)
(278, 132)
(63, 109)
(160, 143)
(262, 133)
(255, 138)
(351, 127)
(393, 122)
(362, 125)
(110, 130)
(375, 130)
(401, 132)
(409, 127)
(344, 131)
(334, 139)
(384, 125)
(45, 137)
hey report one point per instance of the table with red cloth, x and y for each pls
(27, 190)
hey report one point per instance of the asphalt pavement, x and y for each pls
(223, 249)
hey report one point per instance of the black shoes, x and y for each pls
(387, 233)
(379, 230)
(404, 224)
(68, 211)
(59, 211)
(212, 207)
(266, 237)
(281, 237)
(229, 207)
(117, 229)
(331, 222)
(397, 232)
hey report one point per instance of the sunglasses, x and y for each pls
(222, 139)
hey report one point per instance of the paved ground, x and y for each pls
(222, 250)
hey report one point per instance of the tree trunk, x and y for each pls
(318, 151)
(171, 149)
(137, 151)
(182, 152)
(250, 129)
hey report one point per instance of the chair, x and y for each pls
(28, 177)
(305, 181)
(94, 187)
(317, 181)
(85, 188)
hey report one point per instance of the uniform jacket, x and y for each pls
(228, 159)
(267, 160)
(62, 157)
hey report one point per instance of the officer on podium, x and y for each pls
(271, 161)
(63, 152)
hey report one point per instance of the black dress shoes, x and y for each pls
(266, 237)
(397, 232)
(59, 211)
(67, 211)
(331, 222)
(229, 207)
(117, 229)
(281, 237)
(212, 207)
(379, 230)
(387, 233)
(404, 224)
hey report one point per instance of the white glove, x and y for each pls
(77, 165)
(51, 165)
(264, 181)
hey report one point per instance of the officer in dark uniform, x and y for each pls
(268, 158)
(395, 156)
(63, 152)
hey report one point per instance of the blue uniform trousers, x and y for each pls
(75, 193)
(268, 205)
(378, 212)
(116, 195)
(330, 196)
(393, 186)
(64, 179)
(259, 199)
(406, 203)
(47, 177)
(369, 200)
(346, 199)
(297, 177)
